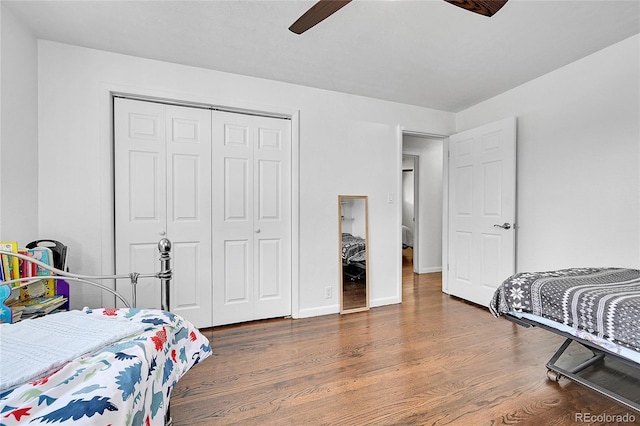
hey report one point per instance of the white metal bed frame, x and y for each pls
(165, 275)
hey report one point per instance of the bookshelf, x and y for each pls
(27, 288)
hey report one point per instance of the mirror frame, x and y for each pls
(364, 198)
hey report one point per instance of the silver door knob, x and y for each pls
(503, 226)
(257, 231)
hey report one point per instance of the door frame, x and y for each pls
(401, 132)
(107, 190)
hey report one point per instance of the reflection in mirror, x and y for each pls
(354, 258)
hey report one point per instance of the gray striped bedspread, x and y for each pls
(602, 301)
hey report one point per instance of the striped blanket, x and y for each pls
(602, 301)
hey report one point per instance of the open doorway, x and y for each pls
(423, 207)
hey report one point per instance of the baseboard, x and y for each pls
(335, 309)
(430, 270)
(316, 312)
(374, 303)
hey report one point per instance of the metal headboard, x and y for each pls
(165, 275)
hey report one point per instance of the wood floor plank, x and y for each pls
(433, 359)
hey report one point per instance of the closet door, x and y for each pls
(163, 188)
(251, 217)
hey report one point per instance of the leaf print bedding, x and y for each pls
(126, 383)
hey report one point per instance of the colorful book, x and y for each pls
(25, 265)
(39, 304)
(45, 287)
(10, 263)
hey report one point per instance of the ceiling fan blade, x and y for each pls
(318, 13)
(483, 7)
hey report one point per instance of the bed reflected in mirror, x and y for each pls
(354, 259)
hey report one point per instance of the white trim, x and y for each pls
(445, 215)
(430, 270)
(315, 312)
(374, 303)
(295, 215)
(398, 231)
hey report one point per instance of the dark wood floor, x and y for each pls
(433, 359)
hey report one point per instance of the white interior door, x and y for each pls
(251, 217)
(162, 162)
(482, 207)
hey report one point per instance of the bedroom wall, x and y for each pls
(347, 145)
(578, 160)
(18, 131)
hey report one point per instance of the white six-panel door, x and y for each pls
(251, 217)
(162, 162)
(482, 197)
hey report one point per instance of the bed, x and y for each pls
(407, 237)
(596, 308)
(109, 366)
(354, 256)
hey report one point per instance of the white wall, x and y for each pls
(347, 145)
(18, 131)
(429, 237)
(578, 160)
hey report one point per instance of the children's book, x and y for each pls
(5, 267)
(11, 264)
(25, 265)
(38, 305)
(45, 287)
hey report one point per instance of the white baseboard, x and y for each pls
(316, 312)
(335, 309)
(430, 270)
(384, 301)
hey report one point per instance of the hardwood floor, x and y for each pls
(433, 359)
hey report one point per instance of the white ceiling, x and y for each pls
(422, 52)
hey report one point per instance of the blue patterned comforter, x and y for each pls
(604, 302)
(127, 383)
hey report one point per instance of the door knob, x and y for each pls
(503, 226)
(257, 231)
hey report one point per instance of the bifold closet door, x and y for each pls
(251, 217)
(162, 160)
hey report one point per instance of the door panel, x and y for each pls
(237, 189)
(169, 163)
(269, 273)
(237, 272)
(163, 188)
(189, 205)
(482, 176)
(140, 194)
(251, 224)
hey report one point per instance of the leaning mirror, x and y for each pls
(354, 256)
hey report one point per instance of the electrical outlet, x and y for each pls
(328, 292)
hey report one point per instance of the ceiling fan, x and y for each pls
(325, 8)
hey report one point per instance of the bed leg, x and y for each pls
(555, 373)
(168, 421)
(597, 357)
